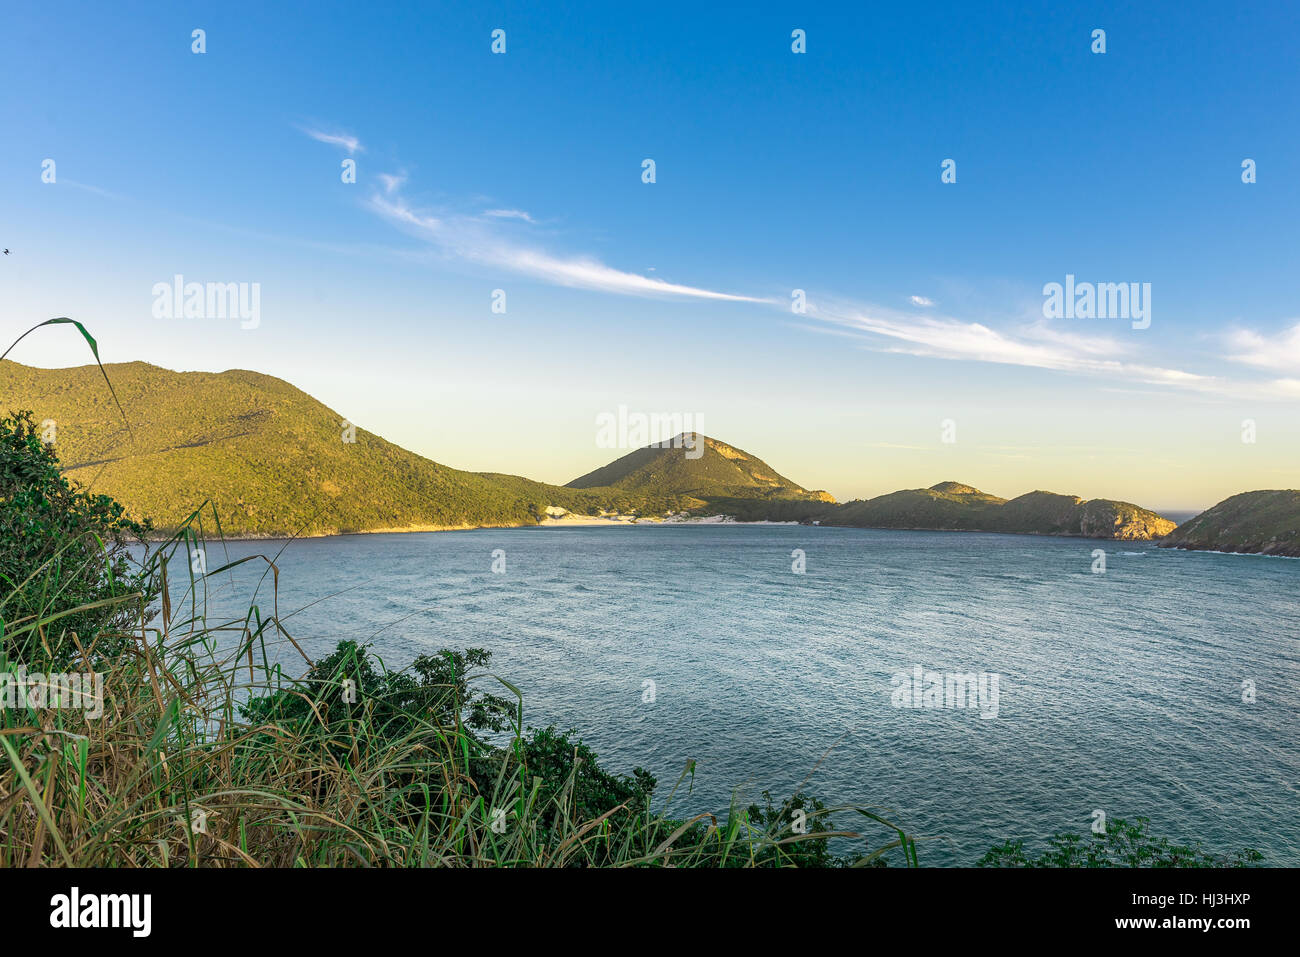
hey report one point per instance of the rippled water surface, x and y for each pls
(1119, 691)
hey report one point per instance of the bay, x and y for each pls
(1120, 691)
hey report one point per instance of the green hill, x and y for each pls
(270, 457)
(958, 507)
(1047, 513)
(273, 461)
(718, 472)
(946, 505)
(1264, 522)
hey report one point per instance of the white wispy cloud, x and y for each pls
(466, 238)
(947, 338)
(509, 214)
(1279, 352)
(1031, 343)
(1035, 345)
(345, 140)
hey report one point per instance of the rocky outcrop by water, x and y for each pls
(1265, 522)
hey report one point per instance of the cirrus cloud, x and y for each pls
(344, 140)
(1035, 345)
(466, 238)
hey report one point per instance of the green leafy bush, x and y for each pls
(65, 564)
(350, 705)
(353, 764)
(1123, 845)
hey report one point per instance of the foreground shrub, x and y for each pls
(206, 755)
(1124, 844)
(64, 556)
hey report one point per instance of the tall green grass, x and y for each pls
(208, 754)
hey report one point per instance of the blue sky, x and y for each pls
(774, 171)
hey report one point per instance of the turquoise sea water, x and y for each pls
(1119, 691)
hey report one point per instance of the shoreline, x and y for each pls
(592, 521)
(581, 521)
(1219, 551)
